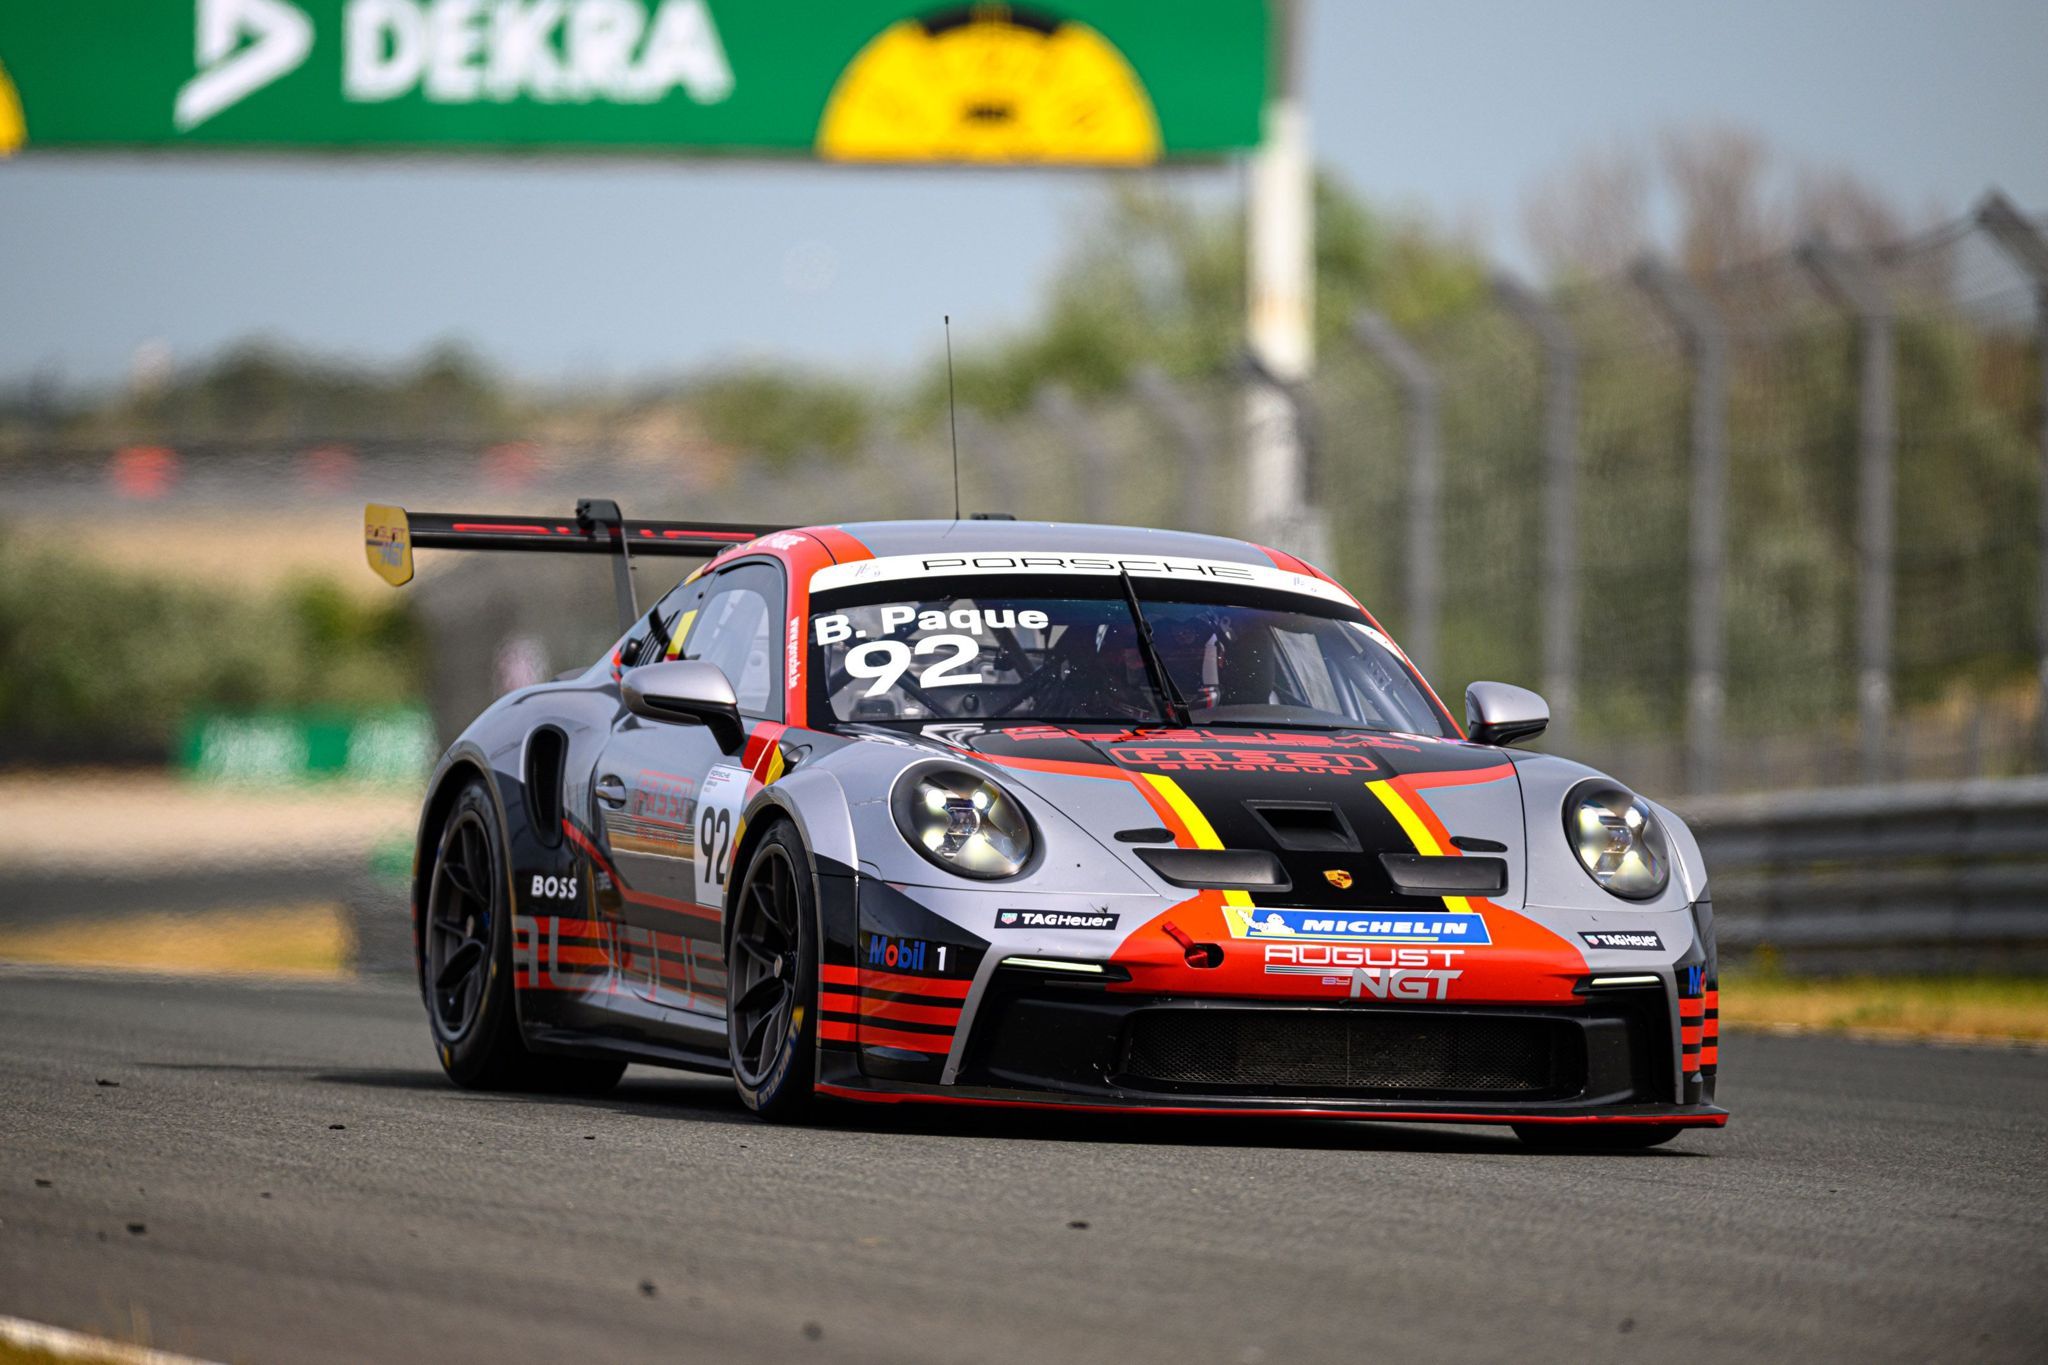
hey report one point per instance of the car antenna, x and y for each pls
(952, 414)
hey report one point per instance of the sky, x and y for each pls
(605, 272)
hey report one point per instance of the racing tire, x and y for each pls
(772, 965)
(466, 966)
(1596, 1137)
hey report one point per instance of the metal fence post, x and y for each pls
(1280, 296)
(1307, 535)
(2027, 247)
(1091, 459)
(1853, 286)
(1699, 327)
(1560, 605)
(1419, 394)
(1198, 451)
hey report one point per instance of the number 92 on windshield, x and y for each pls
(948, 638)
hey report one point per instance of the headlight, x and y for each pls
(1618, 840)
(962, 822)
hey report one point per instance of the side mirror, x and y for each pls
(687, 692)
(1500, 713)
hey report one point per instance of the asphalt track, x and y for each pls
(280, 1174)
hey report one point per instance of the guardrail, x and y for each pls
(1940, 873)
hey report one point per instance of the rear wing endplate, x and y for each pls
(391, 534)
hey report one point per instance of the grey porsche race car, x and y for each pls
(998, 813)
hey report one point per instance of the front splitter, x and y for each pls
(1686, 1116)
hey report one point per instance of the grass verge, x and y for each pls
(2003, 1008)
(302, 941)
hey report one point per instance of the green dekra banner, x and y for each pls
(1090, 82)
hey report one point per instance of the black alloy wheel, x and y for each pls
(772, 966)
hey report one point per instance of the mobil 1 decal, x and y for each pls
(719, 803)
(915, 956)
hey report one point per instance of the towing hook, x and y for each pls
(1202, 955)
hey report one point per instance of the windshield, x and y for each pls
(996, 649)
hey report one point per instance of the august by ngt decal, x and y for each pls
(1076, 82)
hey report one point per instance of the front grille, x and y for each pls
(1353, 1052)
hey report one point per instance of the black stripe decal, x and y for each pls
(947, 1002)
(901, 1025)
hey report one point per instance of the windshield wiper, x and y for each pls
(1175, 705)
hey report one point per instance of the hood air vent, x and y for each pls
(1417, 874)
(1306, 826)
(1217, 869)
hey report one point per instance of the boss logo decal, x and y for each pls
(554, 888)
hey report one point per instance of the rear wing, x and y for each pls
(391, 534)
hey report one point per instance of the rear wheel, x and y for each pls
(772, 965)
(1596, 1137)
(466, 966)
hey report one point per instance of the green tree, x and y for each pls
(1157, 278)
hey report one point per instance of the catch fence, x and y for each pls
(1778, 528)
(1781, 527)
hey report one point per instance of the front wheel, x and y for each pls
(772, 964)
(1596, 1137)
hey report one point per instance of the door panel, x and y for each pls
(668, 800)
(655, 772)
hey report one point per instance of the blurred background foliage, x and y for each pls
(1157, 280)
(112, 661)
(1064, 417)
(778, 416)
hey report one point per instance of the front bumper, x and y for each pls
(1042, 1041)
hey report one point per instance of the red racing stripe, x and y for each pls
(653, 902)
(894, 981)
(931, 1044)
(899, 1010)
(843, 548)
(904, 1013)
(1454, 777)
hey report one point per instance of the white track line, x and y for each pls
(60, 1341)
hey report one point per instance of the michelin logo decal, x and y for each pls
(1360, 927)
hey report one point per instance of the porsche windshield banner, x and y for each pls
(1067, 82)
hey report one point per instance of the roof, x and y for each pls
(884, 538)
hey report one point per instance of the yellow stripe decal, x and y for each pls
(13, 127)
(1198, 824)
(1417, 832)
(675, 644)
(1190, 814)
